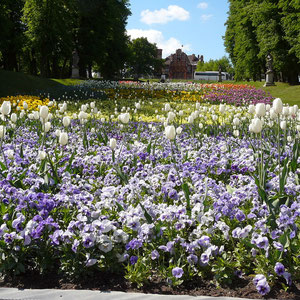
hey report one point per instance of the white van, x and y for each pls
(210, 75)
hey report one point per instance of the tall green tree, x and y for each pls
(11, 33)
(143, 60)
(101, 35)
(258, 27)
(49, 30)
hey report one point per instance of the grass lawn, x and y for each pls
(13, 83)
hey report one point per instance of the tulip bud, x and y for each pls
(6, 108)
(36, 115)
(285, 111)
(260, 109)
(57, 132)
(277, 105)
(171, 116)
(178, 130)
(256, 125)
(42, 155)
(9, 154)
(47, 126)
(112, 143)
(251, 109)
(167, 107)
(222, 108)
(44, 111)
(14, 117)
(170, 132)
(283, 125)
(63, 138)
(191, 119)
(2, 131)
(236, 121)
(138, 105)
(92, 104)
(66, 121)
(124, 118)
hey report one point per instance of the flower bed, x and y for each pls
(213, 201)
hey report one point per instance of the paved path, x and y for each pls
(51, 294)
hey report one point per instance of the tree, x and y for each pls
(143, 60)
(49, 31)
(102, 39)
(258, 27)
(213, 65)
(11, 33)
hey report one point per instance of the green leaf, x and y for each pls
(146, 214)
(186, 191)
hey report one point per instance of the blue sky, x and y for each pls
(198, 25)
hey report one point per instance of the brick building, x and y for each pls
(180, 65)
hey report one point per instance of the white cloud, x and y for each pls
(154, 36)
(202, 5)
(205, 18)
(164, 16)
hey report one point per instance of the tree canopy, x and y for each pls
(143, 58)
(256, 28)
(214, 64)
(39, 36)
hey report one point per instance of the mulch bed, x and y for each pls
(243, 288)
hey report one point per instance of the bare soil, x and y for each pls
(242, 287)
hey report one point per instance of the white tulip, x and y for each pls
(197, 105)
(138, 105)
(112, 143)
(285, 111)
(236, 121)
(2, 131)
(9, 153)
(283, 125)
(191, 119)
(171, 116)
(170, 132)
(57, 132)
(124, 118)
(167, 107)
(66, 121)
(44, 111)
(273, 114)
(256, 125)
(25, 105)
(178, 130)
(180, 113)
(30, 116)
(251, 109)
(14, 117)
(93, 130)
(222, 108)
(260, 109)
(36, 115)
(92, 104)
(50, 103)
(6, 108)
(236, 133)
(277, 105)
(63, 138)
(289, 138)
(201, 125)
(268, 107)
(47, 126)
(42, 154)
